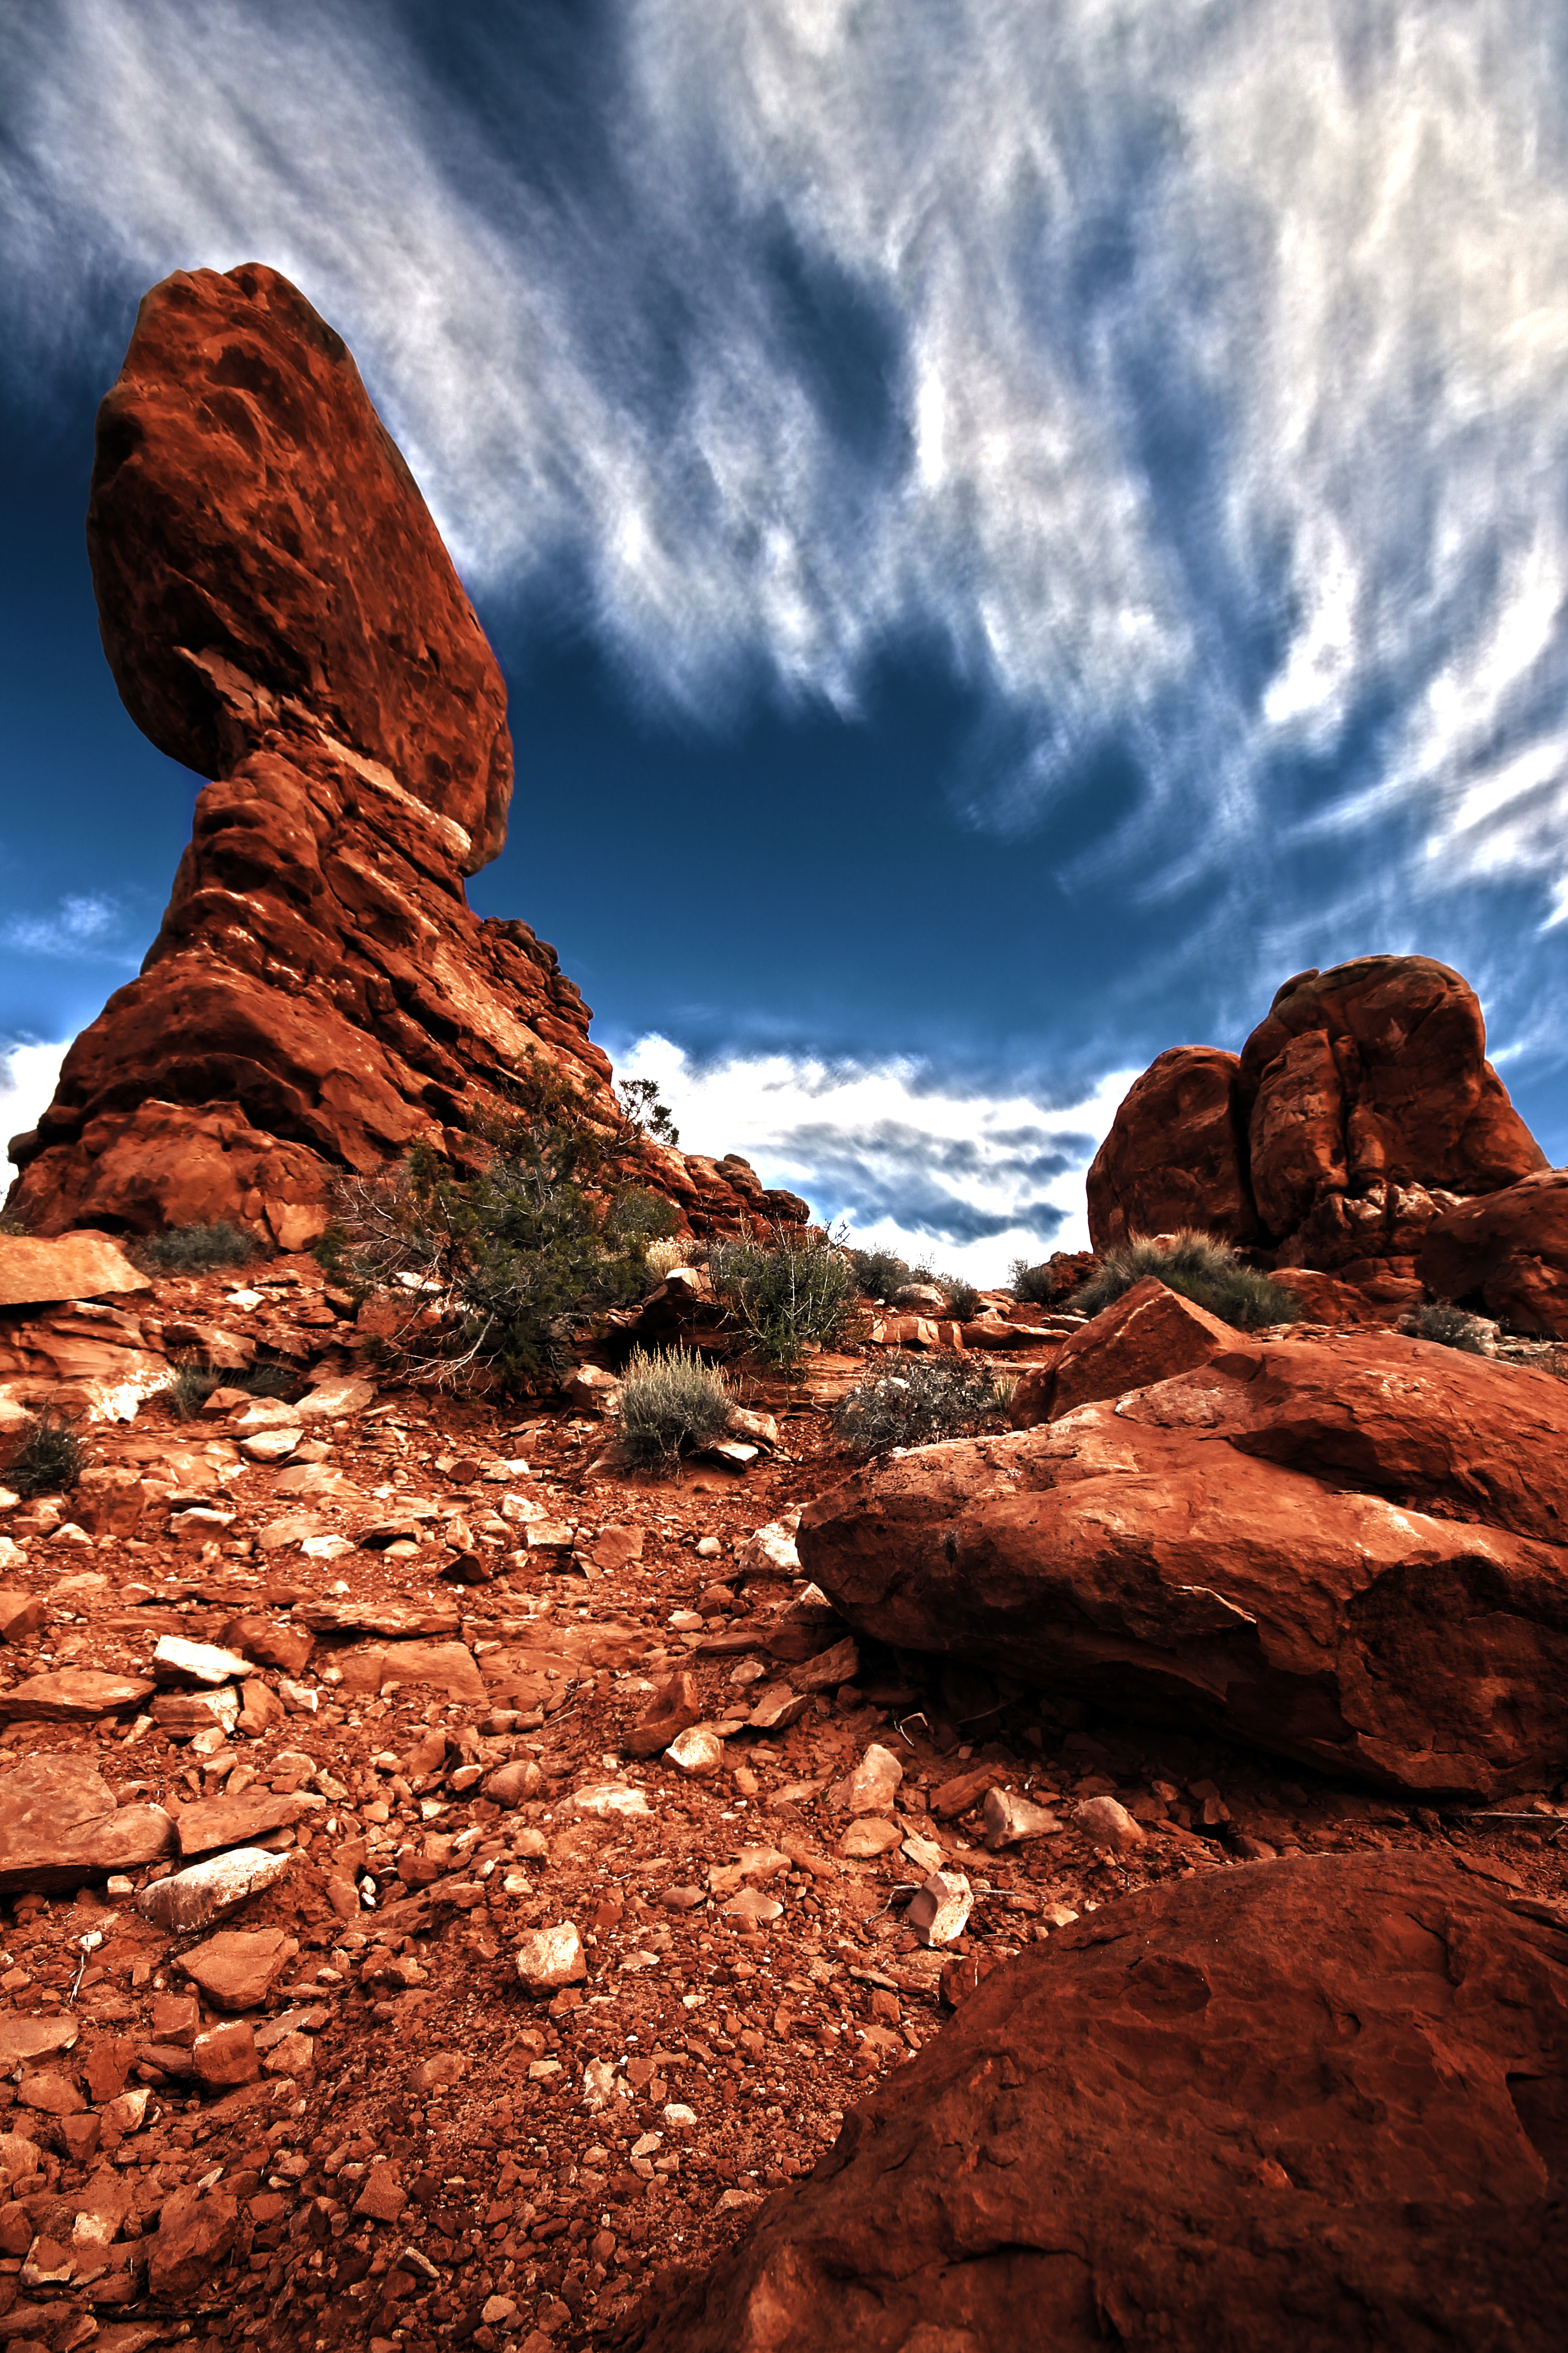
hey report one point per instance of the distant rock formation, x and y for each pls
(280, 614)
(1359, 1113)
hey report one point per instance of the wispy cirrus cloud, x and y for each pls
(85, 926)
(1194, 377)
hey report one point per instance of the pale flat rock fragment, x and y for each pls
(175, 1660)
(697, 1752)
(1010, 1818)
(869, 1789)
(549, 1959)
(607, 1799)
(939, 1912)
(192, 1900)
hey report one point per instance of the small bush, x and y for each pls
(49, 1461)
(1450, 1326)
(963, 1299)
(1202, 1270)
(197, 1250)
(879, 1273)
(791, 1291)
(920, 1401)
(1033, 1286)
(512, 1257)
(671, 1400)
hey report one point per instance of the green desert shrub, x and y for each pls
(497, 1265)
(197, 1250)
(670, 1401)
(1449, 1325)
(789, 1289)
(915, 1403)
(879, 1273)
(49, 1460)
(963, 1299)
(1202, 1270)
(639, 1216)
(1034, 1286)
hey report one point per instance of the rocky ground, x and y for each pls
(356, 2125)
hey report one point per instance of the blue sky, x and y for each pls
(1011, 527)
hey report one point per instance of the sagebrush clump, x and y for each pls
(788, 1289)
(197, 1250)
(671, 1401)
(1449, 1326)
(1034, 1286)
(192, 1383)
(879, 1273)
(915, 1403)
(50, 1460)
(1202, 1270)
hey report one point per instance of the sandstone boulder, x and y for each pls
(1177, 1154)
(1369, 1076)
(1348, 1551)
(1157, 2128)
(1148, 1334)
(1506, 1252)
(1361, 1110)
(257, 540)
(78, 1266)
(59, 1826)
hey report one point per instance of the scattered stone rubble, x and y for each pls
(399, 1959)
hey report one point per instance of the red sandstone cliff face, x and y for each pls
(280, 614)
(1360, 1111)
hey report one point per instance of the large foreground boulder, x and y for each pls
(1350, 1551)
(1316, 2104)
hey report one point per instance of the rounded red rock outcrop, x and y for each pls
(1312, 2103)
(1350, 1551)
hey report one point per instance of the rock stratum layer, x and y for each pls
(1316, 2104)
(1349, 1550)
(1360, 1115)
(280, 614)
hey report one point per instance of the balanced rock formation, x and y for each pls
(1316, 2103)
(1351, 1550)
(280, 614)
(1360, 1111)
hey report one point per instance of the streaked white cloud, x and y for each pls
(969, 1181)
(27, 1076)
(84, 924)
(1196, 374)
